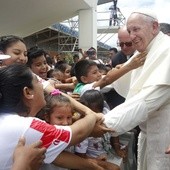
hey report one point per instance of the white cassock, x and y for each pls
(147, 92)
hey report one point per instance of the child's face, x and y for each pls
(39, 66)
(67, 72)
(92, 75)
(58, 75)
(61, 116)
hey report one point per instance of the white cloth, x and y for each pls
(90, 87)
(92, 147)
(44, 82)
(12, 127)
(147, 92)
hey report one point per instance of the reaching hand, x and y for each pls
(75, 96)
(28, 157)
(137, 61)
(100, 129)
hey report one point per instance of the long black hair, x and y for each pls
(13, 79)
(7, 41)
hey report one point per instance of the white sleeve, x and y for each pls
(54, 138)
(88, 87)
(82, 147)
(136, 110)
(44, 82)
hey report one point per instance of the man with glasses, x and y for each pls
(127, 48)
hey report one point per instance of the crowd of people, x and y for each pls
(54, 115)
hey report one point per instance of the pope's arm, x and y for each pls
(136, 110)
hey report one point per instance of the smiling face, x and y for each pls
(18, 53)
(39, 66)
(124, 38)
(92, 75)
(142, 30)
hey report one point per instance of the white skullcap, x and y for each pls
(147, 12)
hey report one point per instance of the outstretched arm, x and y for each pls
(72, 161)
(115, 74)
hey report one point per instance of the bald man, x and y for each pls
(127, 48)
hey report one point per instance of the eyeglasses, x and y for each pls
(128, 44)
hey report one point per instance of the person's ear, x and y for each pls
(155, 27)
(84, 79)
(28, 93)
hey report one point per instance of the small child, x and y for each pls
(101, 147)
(37, 61)
(65, 69)
(88, 74)
(62, 73)
(58, 111)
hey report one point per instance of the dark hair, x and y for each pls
(91, 51)
(114, 49)
(49, 60)
(93, 99)
(7, 41)
(13, 79)
(75, 56)
(50, 73)
(51, 102)
(56, 100)
(82, 67)
(34, 52)
(92, 48)
(61, 65)
(165, 28)
(102, 67)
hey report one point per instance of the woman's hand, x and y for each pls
(28, 156)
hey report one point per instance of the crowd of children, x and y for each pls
(60, 109)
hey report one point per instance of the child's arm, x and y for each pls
(101, 161)
(64, 86)
(115, 74)
(72, 161)
(115, 143)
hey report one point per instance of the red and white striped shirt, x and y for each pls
(12, 127)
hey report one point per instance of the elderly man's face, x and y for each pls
(141, 31)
